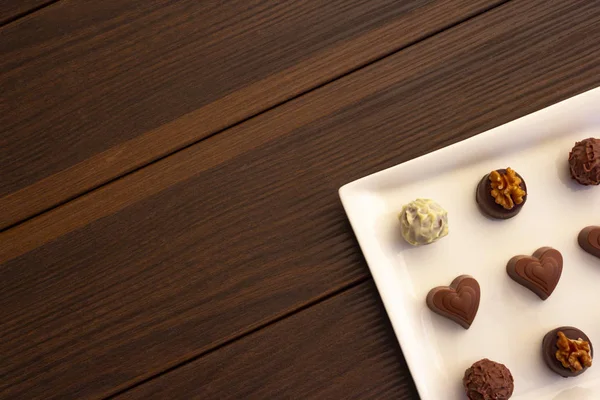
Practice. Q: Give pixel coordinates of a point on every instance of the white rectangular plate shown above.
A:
(511, 320)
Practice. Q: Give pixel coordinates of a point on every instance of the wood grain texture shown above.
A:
(11, 10)
(244, 227)
(342, 348)
(96, 89)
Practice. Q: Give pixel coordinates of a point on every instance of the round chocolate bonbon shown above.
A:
(488, 380)
(503, 202)
(584, 161)
(550, 348)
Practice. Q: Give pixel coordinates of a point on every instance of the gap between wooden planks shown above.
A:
(342, 348)
(11, 10)
(90, 86)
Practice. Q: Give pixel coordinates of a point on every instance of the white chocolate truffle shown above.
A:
(423, 221)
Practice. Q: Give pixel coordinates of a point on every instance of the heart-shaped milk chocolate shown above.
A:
(458, 302)
(539, 273)
(589, 240)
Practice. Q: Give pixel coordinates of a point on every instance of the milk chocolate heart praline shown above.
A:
(589, 240)
(458, 302)
(539, 273)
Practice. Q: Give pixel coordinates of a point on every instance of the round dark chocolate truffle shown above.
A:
(584, 162)
(487, 203)
(550, 347)
(488, 380)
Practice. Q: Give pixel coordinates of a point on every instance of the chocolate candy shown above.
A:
(488, 203)
(589, 240)
(539, 273)
(423, 221)
(584, 162)
(458, 302)
(550, 348)
(487, 379)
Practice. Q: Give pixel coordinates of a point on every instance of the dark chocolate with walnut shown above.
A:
(501, 194)
(567, 351)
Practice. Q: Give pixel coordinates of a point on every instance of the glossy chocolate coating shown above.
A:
(589, 240)
(458, 302)
(488, 380)
(487, 204)
(539, 273)
(549, 349)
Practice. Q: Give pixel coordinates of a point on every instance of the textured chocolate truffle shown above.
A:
(423, 221)
(584, 162)
(488, 380)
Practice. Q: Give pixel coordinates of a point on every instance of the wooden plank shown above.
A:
(93, 90)
(342, 348)
(11, 10)
(234, 232)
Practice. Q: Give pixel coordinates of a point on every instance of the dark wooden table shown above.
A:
(169, 173)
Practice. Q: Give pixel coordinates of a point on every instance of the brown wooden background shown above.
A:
(169, 174)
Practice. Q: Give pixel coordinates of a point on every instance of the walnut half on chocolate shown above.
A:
(506, 188)
(573, 354)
